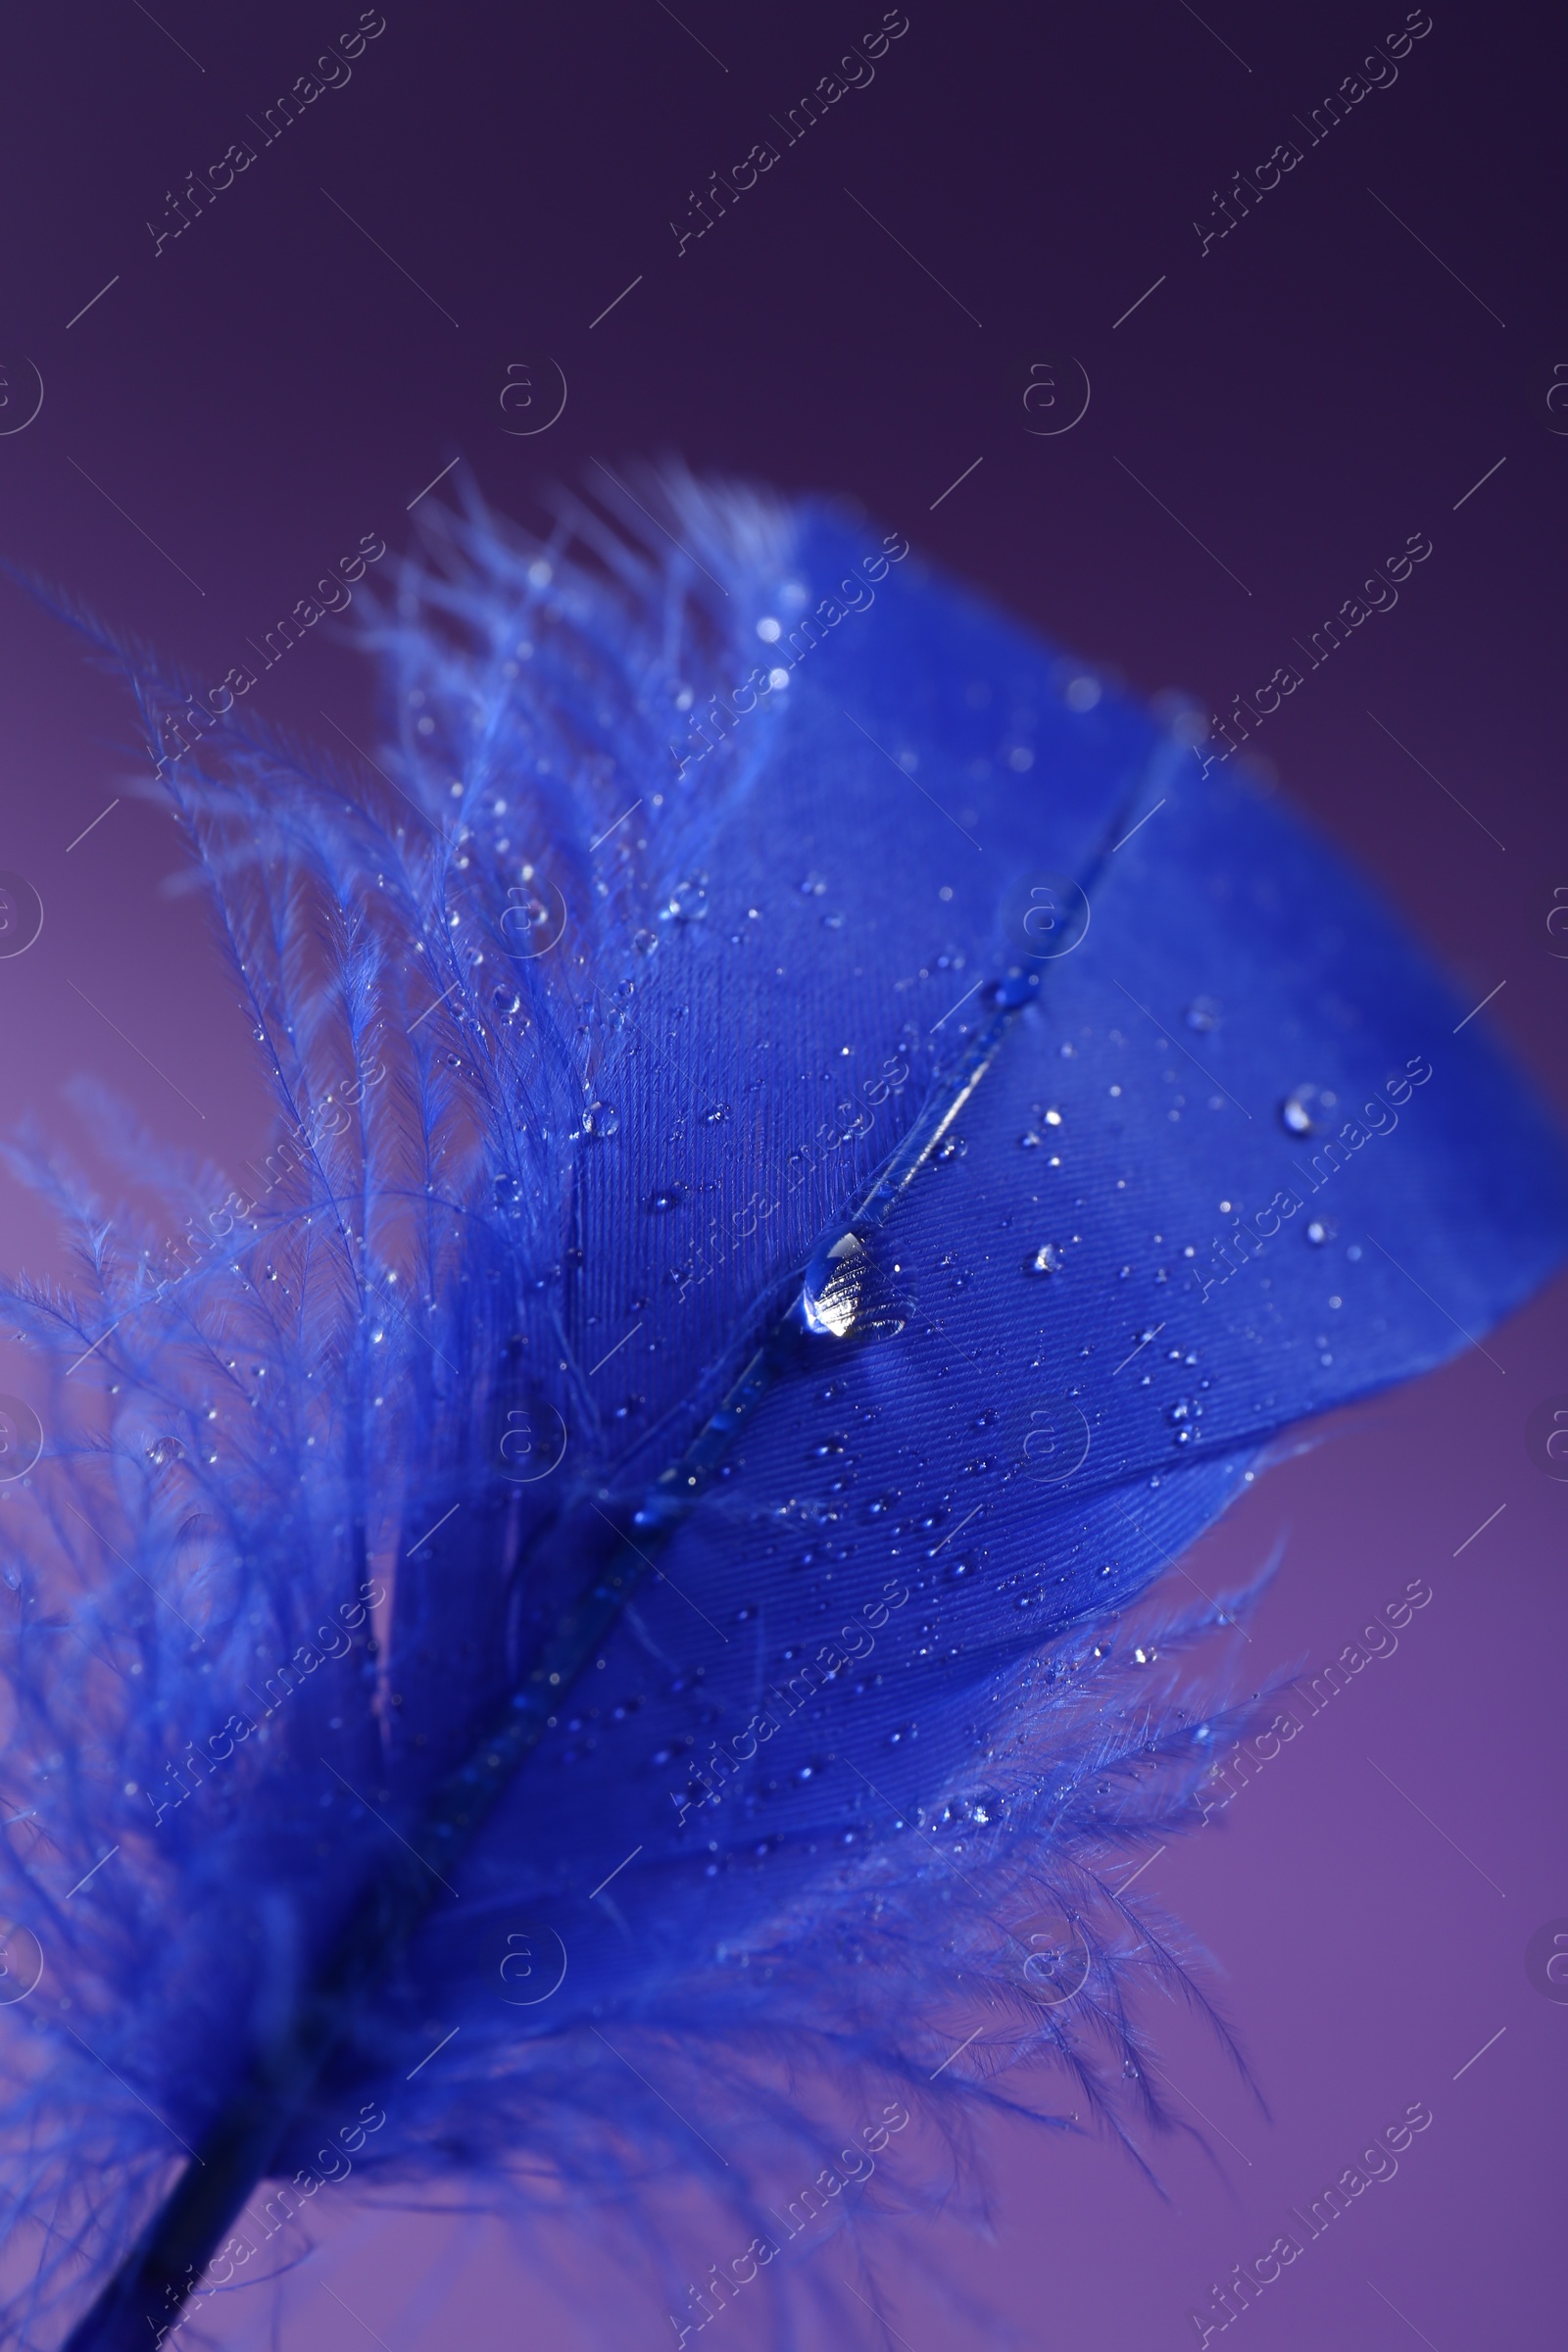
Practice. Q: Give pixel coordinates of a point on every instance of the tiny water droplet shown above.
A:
(1202, 1014)
(667, 1196)
(688, 901)
(1046, 1259)
(600, 1118)
(1303, 1110)
(1014, 988)
(645, 942)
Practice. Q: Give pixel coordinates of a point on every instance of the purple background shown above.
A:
(1314, 388)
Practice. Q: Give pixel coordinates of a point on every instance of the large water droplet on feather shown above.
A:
(835, 1284)
(848, 1295)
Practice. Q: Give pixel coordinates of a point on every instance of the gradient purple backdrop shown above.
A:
(1377, 336)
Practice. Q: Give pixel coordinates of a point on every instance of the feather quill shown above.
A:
(621, 1560)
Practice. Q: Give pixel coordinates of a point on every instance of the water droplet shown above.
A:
(1013, 989)
(600, 1118)
(1303, 1110)
(668, 1195)
(954, 1147)
(1319, 1229)
(645, 942)
(836, 1286)
(1202, 1014)
(720, 1112)
(161, 1451)
(849, 1295)
(688, 901)
(1046, 1259)
(504, 999)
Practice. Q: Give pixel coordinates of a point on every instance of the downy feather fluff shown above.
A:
(571, 1630)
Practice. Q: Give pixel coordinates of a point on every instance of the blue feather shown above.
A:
(818, 1146)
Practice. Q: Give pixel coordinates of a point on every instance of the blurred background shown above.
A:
(1116, 318)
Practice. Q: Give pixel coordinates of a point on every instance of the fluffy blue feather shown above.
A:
(624, 1574)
